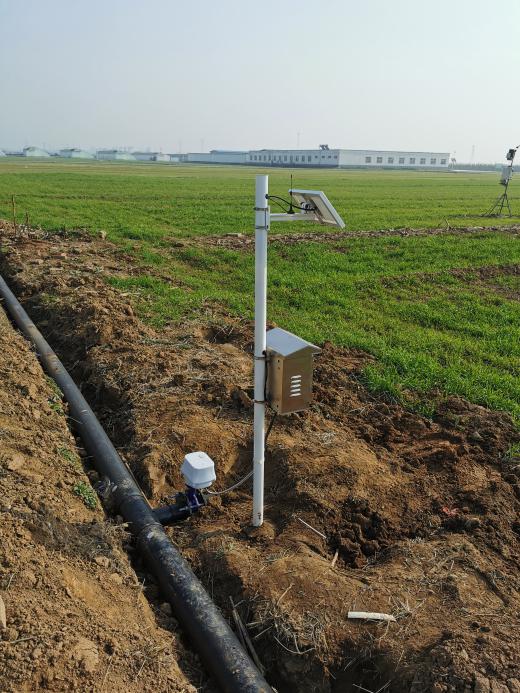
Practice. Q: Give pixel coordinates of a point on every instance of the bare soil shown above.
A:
(240, 241)
(420, 516)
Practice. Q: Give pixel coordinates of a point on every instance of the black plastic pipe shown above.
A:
(210, 633)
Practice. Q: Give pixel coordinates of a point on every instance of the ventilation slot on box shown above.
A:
(296, 385)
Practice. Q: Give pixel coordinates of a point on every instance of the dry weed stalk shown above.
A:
(153, 656)
(297, 633)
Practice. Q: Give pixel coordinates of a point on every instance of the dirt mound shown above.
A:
(75, 613)
(411, 516)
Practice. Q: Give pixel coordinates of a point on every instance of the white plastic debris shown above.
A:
(3, 617)
(371, 616)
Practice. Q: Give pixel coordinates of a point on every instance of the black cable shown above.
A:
(275, 414)
(249, 474)
(294, 206)
(281, 206)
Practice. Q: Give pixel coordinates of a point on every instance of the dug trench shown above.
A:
(72, 611)
(411, 516)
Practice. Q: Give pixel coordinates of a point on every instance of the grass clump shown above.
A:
(71, 457)
(54, 386)
(87, 494)
(56, 405)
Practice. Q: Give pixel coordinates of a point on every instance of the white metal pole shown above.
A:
(261, 228)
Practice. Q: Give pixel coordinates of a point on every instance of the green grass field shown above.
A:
(151, 201)
(436, 324)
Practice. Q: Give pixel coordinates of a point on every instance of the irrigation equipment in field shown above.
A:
(505, 178)
(282, 361)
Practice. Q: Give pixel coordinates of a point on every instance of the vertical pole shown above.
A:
(261, 228)
(13, 205)
(506, 199)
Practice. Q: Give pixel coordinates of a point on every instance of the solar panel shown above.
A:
(317, 202)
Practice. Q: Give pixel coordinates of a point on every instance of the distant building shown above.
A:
(151, 156)
(348, 158)
(324, 157)
(2, 153)
(217, 156)
(114, 155)
(75, 154)
(34, 151)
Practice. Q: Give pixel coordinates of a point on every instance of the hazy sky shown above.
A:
(438, 75)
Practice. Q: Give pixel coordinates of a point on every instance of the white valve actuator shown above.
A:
(198, 470)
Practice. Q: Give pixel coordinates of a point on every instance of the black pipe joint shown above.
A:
(186, 504)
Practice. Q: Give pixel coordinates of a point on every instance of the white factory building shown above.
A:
(75, 153)
(114, 155)
(35, 151)
(151, 156)
(348, 158)
(216, 156)
(324, 157)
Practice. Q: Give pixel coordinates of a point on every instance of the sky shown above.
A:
(173, 75)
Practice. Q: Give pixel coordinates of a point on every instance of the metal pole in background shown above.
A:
(262, 215)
